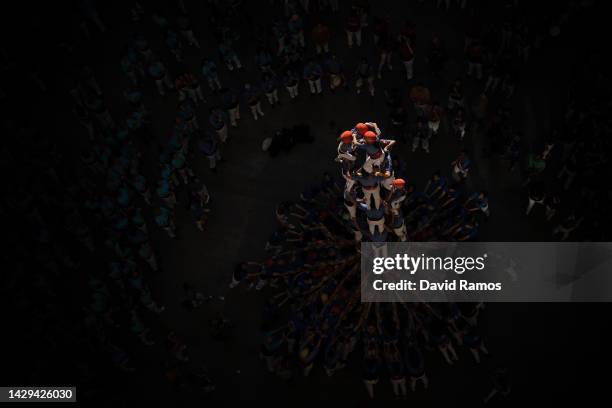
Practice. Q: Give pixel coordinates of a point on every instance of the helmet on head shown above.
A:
(399, 183)
(362, 128)
(346, 136)
(370, 136)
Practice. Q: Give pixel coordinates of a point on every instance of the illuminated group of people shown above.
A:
(313, 265)
(363, 183)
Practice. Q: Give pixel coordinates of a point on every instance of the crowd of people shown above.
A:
(314, 259)
(85, 210)
(564, 190)
(313, 256)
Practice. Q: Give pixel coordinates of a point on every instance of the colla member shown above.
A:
(446, 285)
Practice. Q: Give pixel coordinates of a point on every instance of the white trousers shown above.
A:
(414, 380)
(347, 158)
(531, 203)
(373, 192)
(373, 224)
(352, 210)
(459, 173)
(354, 37)
(272, 97)
(380, 250)
(195, 94)
(401, 232)
(234, 115)
(361, 82)
(492, 83)
(399, 386)
(434, 126)
(256, 109)
(322, 47)
(315, 86)
(369, 163)
(409, 71)
(423, 141)
(233, 62)
(385, 59)
(293, 91)
(388, 182)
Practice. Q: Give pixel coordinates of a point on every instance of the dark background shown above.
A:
(555, 352)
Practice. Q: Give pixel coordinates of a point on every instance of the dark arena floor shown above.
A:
(84, 306)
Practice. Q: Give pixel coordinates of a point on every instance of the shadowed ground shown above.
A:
(530, 339)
